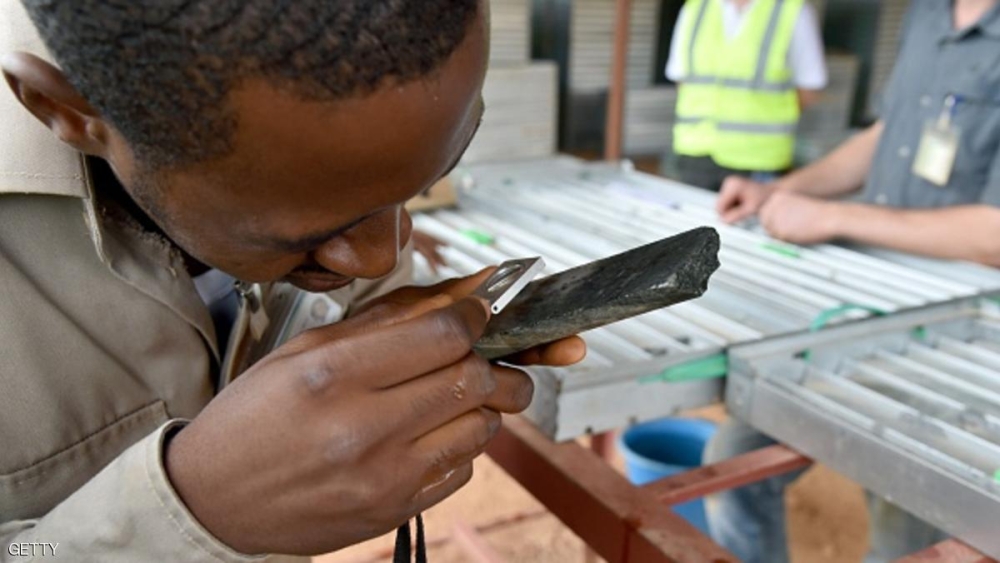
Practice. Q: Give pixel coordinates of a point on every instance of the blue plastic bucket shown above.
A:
(658, 449)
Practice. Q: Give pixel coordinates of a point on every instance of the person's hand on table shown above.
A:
(427, 246)
(740, 198)
(349, 430)
(800, 219)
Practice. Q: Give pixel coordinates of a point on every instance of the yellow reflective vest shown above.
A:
(737, 103)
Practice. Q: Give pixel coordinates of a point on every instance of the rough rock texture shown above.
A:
(650, 277)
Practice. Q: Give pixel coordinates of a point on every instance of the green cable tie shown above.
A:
(705, 368)
(824, 318)
(828, 315)
(782, 249)
(996, 476)
(919, 333)
(479, 236)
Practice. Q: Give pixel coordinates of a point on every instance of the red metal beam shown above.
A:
(619, 521)
(951, 551)
(602, 444)
(728, 474)
(616, 89)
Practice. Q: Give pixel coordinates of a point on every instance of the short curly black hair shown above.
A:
(160, 70)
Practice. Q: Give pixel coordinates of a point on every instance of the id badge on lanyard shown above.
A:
(939, 144)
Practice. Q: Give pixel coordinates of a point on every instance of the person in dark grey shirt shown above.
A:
(944, 203)
(926, 180)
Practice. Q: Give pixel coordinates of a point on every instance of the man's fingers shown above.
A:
(433, 400)
(726, 200)
(766, 212)
(729, 194)
(513, 392)
(455, 444)
(427, 246)
(463, 287)
(431, 495)
(388, 312)
(768, 221)
(737, 214)
(434, 257)
(455, 288)
(565, 352)
(402, 351)
(410, 302)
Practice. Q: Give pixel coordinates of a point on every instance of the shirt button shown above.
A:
(926, 101)
(904, 152)
(881, 199)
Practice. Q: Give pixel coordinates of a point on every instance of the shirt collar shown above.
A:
(988, 25)
(32, 159)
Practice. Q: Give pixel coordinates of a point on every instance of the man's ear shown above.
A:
(44, 90)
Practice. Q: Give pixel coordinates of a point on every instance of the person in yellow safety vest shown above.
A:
(745, 69)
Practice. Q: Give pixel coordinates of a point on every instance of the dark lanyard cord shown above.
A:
(403, 553)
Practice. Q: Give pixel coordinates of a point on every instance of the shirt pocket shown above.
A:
(32, 491)
(977, 88)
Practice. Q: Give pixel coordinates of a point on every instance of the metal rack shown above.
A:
(510, 30)
(522, 96)
(520, 121)
(628, 524)
(662, 362)
(908, 405)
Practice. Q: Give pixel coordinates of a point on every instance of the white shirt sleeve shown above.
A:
(675, 64)
(805, 56)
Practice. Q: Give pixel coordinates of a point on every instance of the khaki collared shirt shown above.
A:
(104, 346)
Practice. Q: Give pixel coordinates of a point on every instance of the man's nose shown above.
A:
(368, 250)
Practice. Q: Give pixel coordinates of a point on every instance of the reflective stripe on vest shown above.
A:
(743, 117)
(762, 128)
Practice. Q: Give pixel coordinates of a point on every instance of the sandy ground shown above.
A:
(827, 523)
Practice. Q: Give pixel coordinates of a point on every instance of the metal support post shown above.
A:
(616, 90)
(622, 523)
(729, 474)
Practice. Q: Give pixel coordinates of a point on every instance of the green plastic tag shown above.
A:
(919, 333)
(828, 315)
(996, 476)
(782, 249)
(479, 236)
(706, 368)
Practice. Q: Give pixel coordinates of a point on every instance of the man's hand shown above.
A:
(741, 197)
(347, 431)
(427, 246)
(407, 302)
(800, 219)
